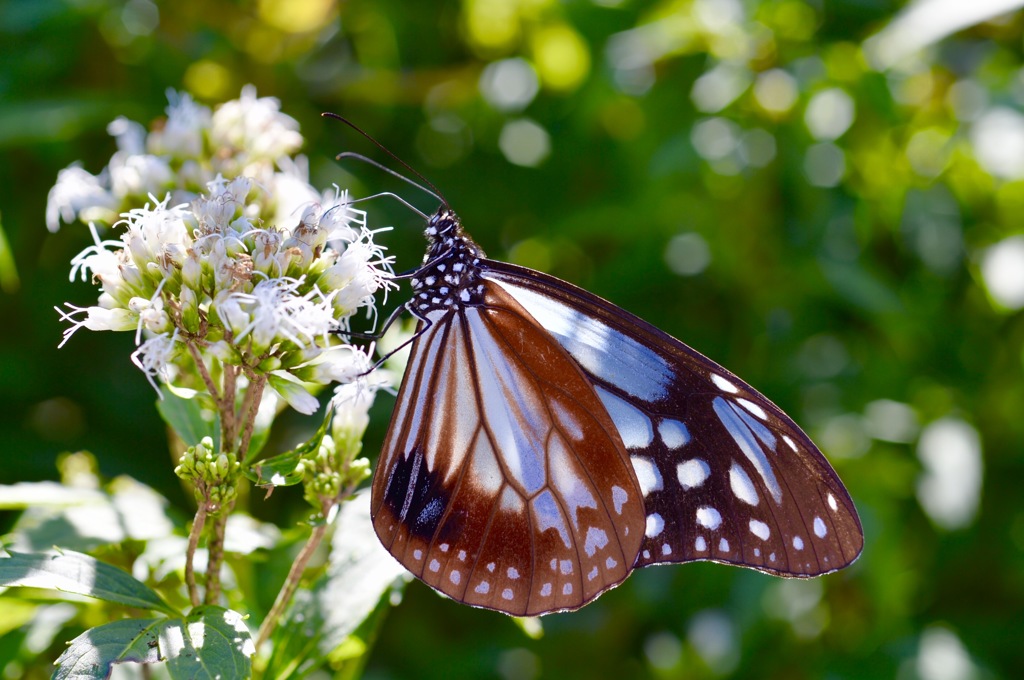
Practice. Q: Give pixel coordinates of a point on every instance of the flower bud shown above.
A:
(192, 271)
(190, 318)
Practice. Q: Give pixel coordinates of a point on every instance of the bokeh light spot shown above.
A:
(829, 114)
(491, 25)
(293, 16)
(561, 56)
(1002, 268)
(509, 84)
(688, 254)
(719, 87)
(776, 91)
(209, 80)
(942, 656)
(949, 489)
(998, 140)
(825, 164)
(524, 142)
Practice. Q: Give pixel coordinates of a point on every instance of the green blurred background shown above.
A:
(822, 196)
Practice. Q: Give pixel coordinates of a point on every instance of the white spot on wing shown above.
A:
(490, 567)
(434, 565)
(654, 525)
(567, 589)
(709, 518)
(596, 539)
(545, 590)
(566, 566)
(610, 563)
(692, 473)
(513, 573)
(633, 425)
(673, 433)
(723, 545)
(619, 498)
(760, 529)
(723, 384)
(832, 502)
(700, 545)
(798, 543)
(741, 433)
(506, 594)
(789, 442)
(482, 588)
(753, 408)
(462, 556)
(647, 474)
(417, 554)
(592, 574)
(819, 528)
(741, 485)
(666, 549)
(455, 577)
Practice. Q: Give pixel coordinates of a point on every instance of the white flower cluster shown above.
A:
(193, 146)
(255, 272)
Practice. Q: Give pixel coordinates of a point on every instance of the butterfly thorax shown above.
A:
(450, 275)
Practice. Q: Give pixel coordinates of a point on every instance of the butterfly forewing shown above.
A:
(725, 474)
(503, 481)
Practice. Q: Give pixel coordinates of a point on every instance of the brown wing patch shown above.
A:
(503, 482)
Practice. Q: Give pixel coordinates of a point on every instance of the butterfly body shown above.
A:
(546, 442)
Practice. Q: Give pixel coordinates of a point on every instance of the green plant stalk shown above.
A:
(193, 543)
(216, 555)
(291, 584)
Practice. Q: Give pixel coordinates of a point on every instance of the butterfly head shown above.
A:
(443, 225)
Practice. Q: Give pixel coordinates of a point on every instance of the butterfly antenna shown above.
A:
(381, 166)
(388, 194)
(434, 190)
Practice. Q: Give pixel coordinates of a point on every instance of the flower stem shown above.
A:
(291, 583)
(251, 406)
(193, 543)
(216, 550)
(203, 372)
(229, 423)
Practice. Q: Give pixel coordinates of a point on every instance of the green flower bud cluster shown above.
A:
(214, 476)
(331, 475)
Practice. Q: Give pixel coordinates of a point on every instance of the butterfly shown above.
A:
(545, 443)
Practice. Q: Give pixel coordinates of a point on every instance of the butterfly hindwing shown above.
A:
(726, 475)
(503, 481)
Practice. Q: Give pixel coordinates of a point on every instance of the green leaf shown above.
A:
(74, 572)
(84, 519)
(283, 469)
(211, 642)
(360, 573)
(53, 494)
(91, 654)
(189, 414)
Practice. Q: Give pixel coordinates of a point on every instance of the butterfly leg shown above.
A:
(423, 327)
